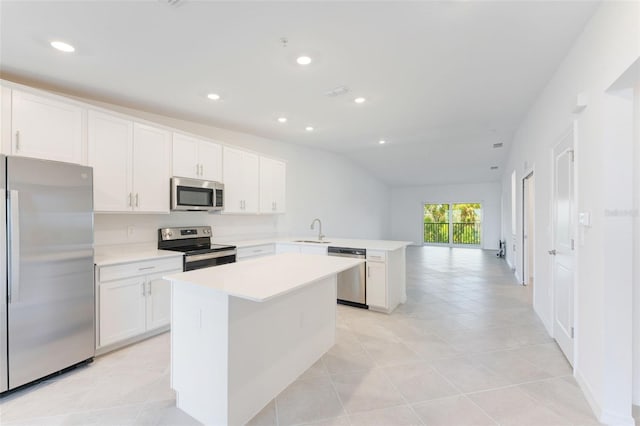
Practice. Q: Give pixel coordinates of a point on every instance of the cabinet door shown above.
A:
(122, 310)
(377, 284)
(185, 156)
(251, 184)
(158, 301)
(287, 248)
(210, 158)
(321, 250)
(44, 128)
(279, 186)
(110, 145)
(267, 199)
(151, 172)
(233, 180)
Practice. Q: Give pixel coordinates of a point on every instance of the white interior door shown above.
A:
(528, 230)
(563, 250)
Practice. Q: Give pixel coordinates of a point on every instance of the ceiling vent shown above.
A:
(172, 3)
(498, 145)
(337, 91)
(493, 167)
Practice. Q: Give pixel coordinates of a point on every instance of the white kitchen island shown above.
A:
(242, 332)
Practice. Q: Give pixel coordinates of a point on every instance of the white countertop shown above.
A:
(264, 278)
(124, 254)
(385, 245)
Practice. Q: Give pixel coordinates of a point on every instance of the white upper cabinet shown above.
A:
(131, 165)
(110, 145)
(241, 181)
(196, 158)
(151, 168)
(46, 128)
(272, 185)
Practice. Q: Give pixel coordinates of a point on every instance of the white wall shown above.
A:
(407, 208)
(606, 48)
(349, 201)
(636, 249)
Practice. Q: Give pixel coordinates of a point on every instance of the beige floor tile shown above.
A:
(511, 366)
(419, 382)
(457, 410)
(469, 375)
(396, 416)
(512, 406)
(266, 417)
(385, 353)
(362, 391)
(308, 400)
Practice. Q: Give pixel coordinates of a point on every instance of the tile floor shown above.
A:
(466, 349)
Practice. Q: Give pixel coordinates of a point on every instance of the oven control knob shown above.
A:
(170, 234)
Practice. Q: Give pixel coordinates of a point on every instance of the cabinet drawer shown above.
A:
(126, 270)
(376, 256)
(262, 250)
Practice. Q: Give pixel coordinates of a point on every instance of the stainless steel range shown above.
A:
(195, 243)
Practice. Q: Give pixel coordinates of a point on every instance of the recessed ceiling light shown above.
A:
(382, 141)
(282, 119)
(309, 129)
(213, 96)
(359, 100)
(62, 46)
(303, 60)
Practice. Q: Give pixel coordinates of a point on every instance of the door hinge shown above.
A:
(572, 332)
(573, 155)
(573, 244)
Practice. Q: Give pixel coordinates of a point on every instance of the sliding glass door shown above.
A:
(453, 224)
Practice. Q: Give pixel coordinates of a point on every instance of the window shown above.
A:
(457, 224)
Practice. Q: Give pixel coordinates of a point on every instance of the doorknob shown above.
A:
(552, 252)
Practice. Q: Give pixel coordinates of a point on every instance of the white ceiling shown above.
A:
(443, 80)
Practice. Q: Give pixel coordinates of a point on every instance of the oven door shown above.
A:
(205, 260)
(193, 194)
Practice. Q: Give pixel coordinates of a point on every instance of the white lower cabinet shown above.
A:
(301, 248)
(133, 300)
(377, 284)
(246, 253)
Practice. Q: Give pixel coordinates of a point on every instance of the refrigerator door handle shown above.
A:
(14, 248)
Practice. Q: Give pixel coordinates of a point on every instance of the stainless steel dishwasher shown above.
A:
(352, 284)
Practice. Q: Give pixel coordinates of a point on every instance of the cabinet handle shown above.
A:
(130, 199)
(149, 291)
(17, 140)
(197, 169)
(144, 293)
(136, 199)
(201, 170)
(146, 268)
(368, 271)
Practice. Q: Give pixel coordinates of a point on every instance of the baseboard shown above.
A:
(603, 416)
(635, 412)
(119, 345)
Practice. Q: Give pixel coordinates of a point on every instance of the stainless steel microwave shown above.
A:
(196, 195)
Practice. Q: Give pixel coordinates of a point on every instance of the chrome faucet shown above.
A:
(320, 235)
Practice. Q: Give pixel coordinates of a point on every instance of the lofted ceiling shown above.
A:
(443, 81)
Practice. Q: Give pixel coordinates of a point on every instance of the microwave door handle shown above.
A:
(14, 247)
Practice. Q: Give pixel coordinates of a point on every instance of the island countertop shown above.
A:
(264, 278)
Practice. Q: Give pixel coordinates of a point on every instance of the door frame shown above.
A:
(525, 207)
(573, 129)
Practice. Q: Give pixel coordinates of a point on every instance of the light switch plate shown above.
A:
(585, 219)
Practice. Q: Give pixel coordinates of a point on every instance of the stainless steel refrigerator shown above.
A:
(46, 266)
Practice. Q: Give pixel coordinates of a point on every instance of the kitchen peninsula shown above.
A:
(242, 332)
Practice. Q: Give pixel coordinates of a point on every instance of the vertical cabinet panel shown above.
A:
(241, 181)
(158, 302)
(185, 156)
(110, 151)
(47, 129)
(122, 310)
(210, 157)
(376, 284)
(272, 185)
(151, 160)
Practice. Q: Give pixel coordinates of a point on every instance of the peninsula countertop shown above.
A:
(264, 278)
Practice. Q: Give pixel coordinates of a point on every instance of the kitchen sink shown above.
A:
(311, 241)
